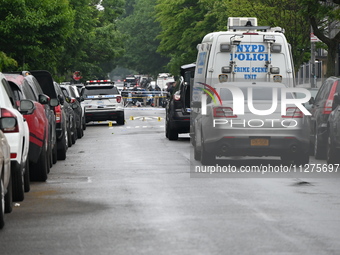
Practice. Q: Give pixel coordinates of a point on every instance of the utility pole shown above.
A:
(312, 65)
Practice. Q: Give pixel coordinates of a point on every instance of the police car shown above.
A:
(102, 101)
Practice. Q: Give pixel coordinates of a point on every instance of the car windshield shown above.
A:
(259, 93)
(92, 91)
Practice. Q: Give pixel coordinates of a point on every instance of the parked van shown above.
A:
(246, 52)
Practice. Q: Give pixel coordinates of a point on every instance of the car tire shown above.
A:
(197, 153)
(69, 137)
(332, 152)
(27, 183)
(84, 123)
(121, 120)
(55, 154)
(49, 158)
(18, 189)
(172, 133)
(9, 197)
(319, 152)
(207, 158)
(39, 170)
(74, 136)
(2, 204)
(302, 159)
(80, 132)
(62, 151)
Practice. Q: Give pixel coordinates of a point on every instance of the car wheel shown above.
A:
(62, 151)
(84, 123)
(18, 184)
(80, 132)
(9, 197)
(121, 120)
(27, 184)
(207, 158)
(74, 136)
(197, 153)
(69, 138)
(55, 154)
(49, 158)
(167, 130)
(302, 159)
(2, 204)
(332, 152)
(172, 133)
(319, 152)
(39, 170)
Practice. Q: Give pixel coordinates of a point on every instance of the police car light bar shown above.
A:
(98, 81)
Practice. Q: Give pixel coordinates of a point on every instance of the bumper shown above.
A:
(181, 122)
(241, 146)
(103, 115)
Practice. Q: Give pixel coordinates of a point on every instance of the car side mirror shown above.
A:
(7, 123)
(43, 99)
(54, 102)
(81, 98)
(311, 100)
(26, 106)
(61, 99)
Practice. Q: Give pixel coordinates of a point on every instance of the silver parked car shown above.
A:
(227, 125)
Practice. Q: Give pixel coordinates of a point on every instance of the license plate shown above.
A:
(100, 102)
(259, 142)
(188, 109)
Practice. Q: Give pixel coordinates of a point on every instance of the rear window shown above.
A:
(259, 93)
(95, 91)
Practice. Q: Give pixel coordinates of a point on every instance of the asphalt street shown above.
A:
(128, 190)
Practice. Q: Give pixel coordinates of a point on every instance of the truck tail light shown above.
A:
(58, 113)
(224, 112)
(293, 112)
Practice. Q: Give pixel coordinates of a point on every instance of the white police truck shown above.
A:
(246, 52)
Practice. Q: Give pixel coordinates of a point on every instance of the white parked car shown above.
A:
(5, 178)
(16, 131)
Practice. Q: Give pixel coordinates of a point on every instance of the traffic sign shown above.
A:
(314, 38)
(77, 76)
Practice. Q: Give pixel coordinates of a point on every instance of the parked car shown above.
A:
(72, 96)
(41, 122)
(5, 174)
(320, 110)
(178, 106)
(17, 137)
(64, 122)
(102, 101)
(313, 92)
(333, 132)
(220, 132)
(46, 83)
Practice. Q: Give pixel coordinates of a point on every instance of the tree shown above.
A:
(95, 41)
(278, 13)
(323, 17)
(34, 32)
(141, 43)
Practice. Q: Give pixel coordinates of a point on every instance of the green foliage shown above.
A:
(141, 44)
(6, 62)
(35, 32)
